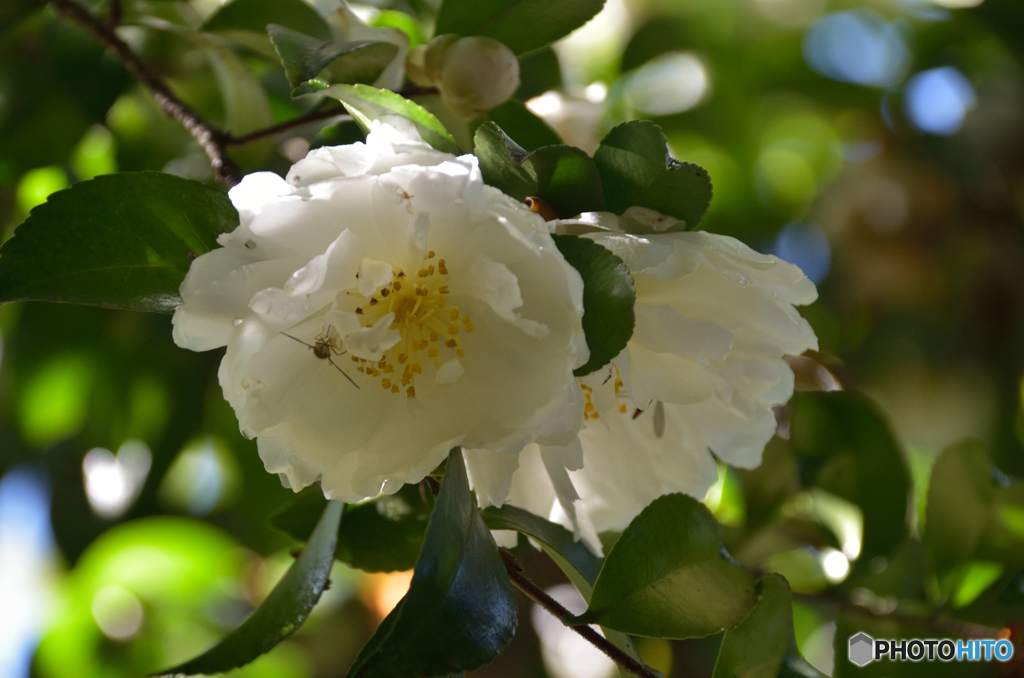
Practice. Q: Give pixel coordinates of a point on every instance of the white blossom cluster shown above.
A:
(382, 305)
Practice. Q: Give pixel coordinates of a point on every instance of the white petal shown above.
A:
(374, 273)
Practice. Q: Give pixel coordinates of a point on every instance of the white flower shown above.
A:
(702, 371)
(382, 306)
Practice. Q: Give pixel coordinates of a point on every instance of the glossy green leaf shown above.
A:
(637, 170)
(255, 15)
(367, 104)
(757, 648)
(303, 57)
(384, 535)
(459, 613)
(523, 125)
(847, 448)
(689, 590)
(121, 240)
(575, 559)
(608, 299)
(564, 176)
(284, 610)
(523, 25)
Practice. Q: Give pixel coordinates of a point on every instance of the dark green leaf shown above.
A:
(121, 240)
(637, 170)
(848, 449)
(523, 25)
(539, 72)
(384, 535)
(522, 125)
(689, 590)
(757, 647)
(961, 495)
(367, 104)
(255, 15)
(578, 563)
(608, 299)
(459, 613)
(303, 57)
(339, 134)
(564, 176)
(575, 560)
(284, 610)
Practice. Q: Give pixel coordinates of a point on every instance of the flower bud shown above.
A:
(473, 74)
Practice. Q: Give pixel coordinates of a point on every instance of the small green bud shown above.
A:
(473, 74)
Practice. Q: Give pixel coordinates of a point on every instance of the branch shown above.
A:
(212, 140)
(534, 592)
(312, 116)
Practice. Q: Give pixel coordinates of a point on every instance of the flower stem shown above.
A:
(537, 595)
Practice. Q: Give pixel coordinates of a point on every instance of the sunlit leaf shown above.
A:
(689, 590)
(122, 240)
(367, 104)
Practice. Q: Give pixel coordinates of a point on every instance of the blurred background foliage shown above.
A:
(879, 144)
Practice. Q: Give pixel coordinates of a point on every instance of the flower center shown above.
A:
(590, 410)
(428, 324)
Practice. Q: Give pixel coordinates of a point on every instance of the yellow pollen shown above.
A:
(426, 323)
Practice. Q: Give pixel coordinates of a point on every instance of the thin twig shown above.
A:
(306, 118)
(211, 139)
(534, 592)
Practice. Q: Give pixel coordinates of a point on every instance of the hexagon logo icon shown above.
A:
(862, 649)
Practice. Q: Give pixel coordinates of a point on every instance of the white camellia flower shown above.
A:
(700, 374)
(382, 306)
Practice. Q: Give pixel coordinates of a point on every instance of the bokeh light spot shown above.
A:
(937, 100)
(858, 47)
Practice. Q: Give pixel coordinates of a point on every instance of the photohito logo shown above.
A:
(864, 649)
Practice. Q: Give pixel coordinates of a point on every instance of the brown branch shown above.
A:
(211, 139)
(537, 595)
(306, 118)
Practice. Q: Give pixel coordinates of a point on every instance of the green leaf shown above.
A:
(667, 577)
(608, 299)
(961, 495)
(303, 57)
(384, 535)
(246, 108)
(575, 559)
(521, 124)
(284, 610)
(848, 449)
(637, 170)
(757, 648)
(367, 104)
(255, 15)
(539, 72)
(459, 613)
(523, 25)
(120, 240)
(564, 176)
